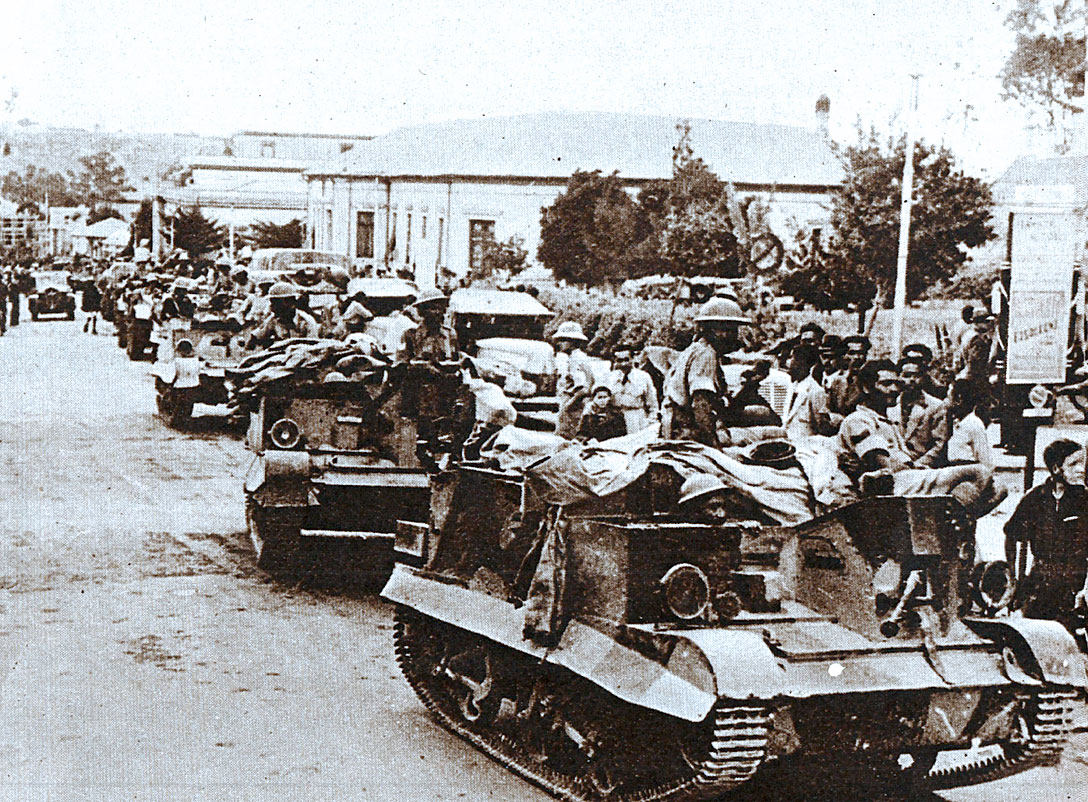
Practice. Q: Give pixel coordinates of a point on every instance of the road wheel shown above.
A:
(274, 533)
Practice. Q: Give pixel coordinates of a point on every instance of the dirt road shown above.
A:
(144, 657)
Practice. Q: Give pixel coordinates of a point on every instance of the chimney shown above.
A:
(823, 109)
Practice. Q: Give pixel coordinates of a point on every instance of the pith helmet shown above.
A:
(722, 310)
(282, 289)
(570, 330)
(699, 485)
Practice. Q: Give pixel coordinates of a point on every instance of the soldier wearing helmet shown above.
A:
(694, 389)
(432, 340)
(286, 319)
(354, 315)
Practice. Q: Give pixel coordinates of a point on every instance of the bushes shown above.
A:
(611, 320)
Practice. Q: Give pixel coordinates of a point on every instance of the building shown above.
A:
(17, 229)
(57, 237)
(239, 191)
(1036, 184)
(427, 197)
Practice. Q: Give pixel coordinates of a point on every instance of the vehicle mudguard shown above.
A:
(279, 478)
(588, 652)
(1056, 657)
(740, 663)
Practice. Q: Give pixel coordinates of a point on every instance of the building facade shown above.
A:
(426, 199)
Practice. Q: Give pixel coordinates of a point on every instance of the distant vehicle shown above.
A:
(52, 295)
(192, 364)
(283, 263)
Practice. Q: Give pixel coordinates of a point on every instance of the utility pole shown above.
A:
(156, 219)
(905, 203)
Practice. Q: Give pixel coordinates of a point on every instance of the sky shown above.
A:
(363, 67)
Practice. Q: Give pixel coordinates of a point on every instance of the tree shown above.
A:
(502, 258)
(36, 187)
(273, 235)
(586, 232)
(951, 214)
(195, 233)
(103, 213)
(100, 181)
(1046, 67)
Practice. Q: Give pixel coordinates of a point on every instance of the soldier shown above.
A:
(873, 449)
(178, 305)
(3, 302)
(844, 390)
(285, 319)
(355, 316)
(432, 340)
(15, 292)
(573, 376)
(694, 389)
(1050, 519)
(922, 419)
(633, 391)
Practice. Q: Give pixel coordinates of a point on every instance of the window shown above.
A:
(328, 228)
(364, 235)
(391, 246)
(441, 238)
(480, 232)
(423, 228)
(268, 150)
(408, 241)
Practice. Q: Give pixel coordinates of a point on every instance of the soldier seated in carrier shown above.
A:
(873, 452)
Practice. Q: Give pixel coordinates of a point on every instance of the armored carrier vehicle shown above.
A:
(611, 649)
(191, 365)
(338, 463)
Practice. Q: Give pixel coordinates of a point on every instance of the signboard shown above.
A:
(1040, 290)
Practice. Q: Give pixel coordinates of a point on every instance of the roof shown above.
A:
(303, 135)
(254, 163)
(497, 302)
(104, 228)
(553, 145)
(1045, 171)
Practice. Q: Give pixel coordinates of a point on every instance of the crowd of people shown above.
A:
(15, 283)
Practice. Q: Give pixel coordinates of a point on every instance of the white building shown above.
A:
(240, 191)
(426, 197)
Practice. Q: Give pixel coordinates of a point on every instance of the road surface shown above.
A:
(144, 657)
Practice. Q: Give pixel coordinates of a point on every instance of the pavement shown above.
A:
(144, 657)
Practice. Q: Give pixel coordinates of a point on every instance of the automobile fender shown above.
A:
(1055, 653)
(279, 478)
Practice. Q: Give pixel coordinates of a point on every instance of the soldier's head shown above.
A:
(704, 497)
(857, 351)
(811, 333)
(1064, 460)
(431, 306)
(880, 384)
(718, 322)
(912, 373)
(283, 299)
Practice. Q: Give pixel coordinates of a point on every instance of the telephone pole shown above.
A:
(905, 203)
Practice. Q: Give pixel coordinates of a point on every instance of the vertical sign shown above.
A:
(1040, 290)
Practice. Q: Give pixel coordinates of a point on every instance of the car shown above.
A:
(52, 295)
(191, 366)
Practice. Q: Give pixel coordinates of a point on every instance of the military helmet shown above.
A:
(722, 310)
(699, 485)
(431, 296)
(340, 277)
(284, 289)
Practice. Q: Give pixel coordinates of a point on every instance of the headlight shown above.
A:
(686, 591)
(285, 433)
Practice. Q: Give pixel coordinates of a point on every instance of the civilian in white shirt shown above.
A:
(807, 414)
(633, 392)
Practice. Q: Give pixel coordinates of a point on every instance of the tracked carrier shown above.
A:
(606, 650)
(337, 465)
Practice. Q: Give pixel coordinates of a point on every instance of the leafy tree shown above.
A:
(273, 235)
(585, 233)
(1046, 67)
(101, 180)
(35, 186)
(195, 233)
(140, 228)
(857, 265)
(100, 213)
